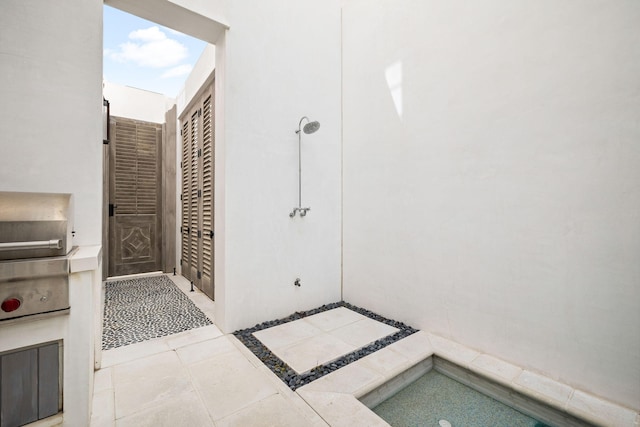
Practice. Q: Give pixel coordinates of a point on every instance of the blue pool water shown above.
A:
(435, 397)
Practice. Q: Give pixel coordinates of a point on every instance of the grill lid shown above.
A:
(34, 225)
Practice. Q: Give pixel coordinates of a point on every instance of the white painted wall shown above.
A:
(137, 104)
(500, 206)
(201, 72)
(51, 103)
(280, 61)
(203, 19)
(51, 141)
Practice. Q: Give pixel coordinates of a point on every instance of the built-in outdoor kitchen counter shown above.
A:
(49, 299)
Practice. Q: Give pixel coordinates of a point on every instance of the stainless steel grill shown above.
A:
(35, 246)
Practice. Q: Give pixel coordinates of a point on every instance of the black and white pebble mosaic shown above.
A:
(140, 309)
(291, 377)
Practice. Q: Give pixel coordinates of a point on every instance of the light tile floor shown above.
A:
(306, 343)
(202, 377)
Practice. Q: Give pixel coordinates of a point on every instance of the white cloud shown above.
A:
(151, 34)
(149, 47)
(180, 70)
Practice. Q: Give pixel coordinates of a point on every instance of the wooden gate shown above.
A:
(197, 134)
(135, 214)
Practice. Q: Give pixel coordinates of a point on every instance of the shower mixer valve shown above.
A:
(303, 212)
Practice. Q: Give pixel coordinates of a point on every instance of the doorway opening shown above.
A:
(147, 225)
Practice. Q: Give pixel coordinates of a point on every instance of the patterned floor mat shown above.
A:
(140, 309)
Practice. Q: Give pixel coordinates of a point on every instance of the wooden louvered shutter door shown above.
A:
(198, 180)
(194, 196)
(135, 219)
(185, 254)
(207, 195)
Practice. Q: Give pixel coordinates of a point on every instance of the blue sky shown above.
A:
(146, 55)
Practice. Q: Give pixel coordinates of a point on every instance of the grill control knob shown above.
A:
(10, 304)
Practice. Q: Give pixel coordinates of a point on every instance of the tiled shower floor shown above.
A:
(306, 343)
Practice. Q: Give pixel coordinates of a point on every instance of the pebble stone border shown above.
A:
(290, 377)
(140, 309)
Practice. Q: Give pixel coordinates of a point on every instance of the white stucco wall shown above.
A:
(281, 61)
(51, 103)
(201, 72)
(137, 104)
(51, 141)
(491, 170)
(202, 19)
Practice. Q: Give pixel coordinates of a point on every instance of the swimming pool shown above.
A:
(435, 399)
(449, 395)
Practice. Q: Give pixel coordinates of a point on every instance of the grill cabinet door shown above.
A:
(30, 385)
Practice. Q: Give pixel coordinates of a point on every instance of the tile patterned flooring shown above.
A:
(202, 377)
(306, 343)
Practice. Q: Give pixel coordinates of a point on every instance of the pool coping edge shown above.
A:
(343, 384)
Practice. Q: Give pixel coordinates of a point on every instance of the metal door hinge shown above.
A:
(199, 274)
(199, 152)
(199, 193)
(211, 234)
(199, 234)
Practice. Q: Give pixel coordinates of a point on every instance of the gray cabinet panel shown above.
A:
(19, 400)
(48, 376)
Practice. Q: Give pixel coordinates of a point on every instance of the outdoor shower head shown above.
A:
(311, 127)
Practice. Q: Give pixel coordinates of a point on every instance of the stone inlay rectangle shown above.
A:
(346, 317)
(314, 351)
(304, 346)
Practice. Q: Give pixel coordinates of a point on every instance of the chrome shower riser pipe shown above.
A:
(309, 128)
